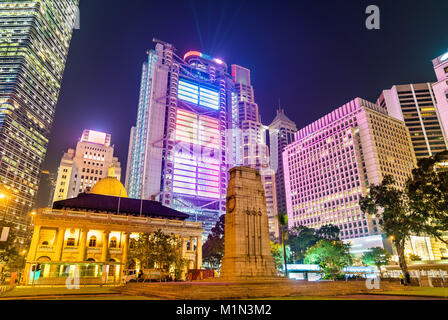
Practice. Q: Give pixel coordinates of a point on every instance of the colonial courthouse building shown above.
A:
(89, 235)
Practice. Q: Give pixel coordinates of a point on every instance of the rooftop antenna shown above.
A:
(279, 110)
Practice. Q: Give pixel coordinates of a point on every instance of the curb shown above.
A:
(56, 295)
(407, 295)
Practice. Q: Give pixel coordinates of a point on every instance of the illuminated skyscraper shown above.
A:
(82, 168)
(249, 140)
(334, 160)
(177, 152)
(34, 43)
(281, 133)
(441, 89)
(415, 105)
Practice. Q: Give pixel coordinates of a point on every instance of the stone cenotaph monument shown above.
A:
(247, 253)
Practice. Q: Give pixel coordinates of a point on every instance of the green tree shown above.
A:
(157, 250)
(390, 205)
(277, 254)
(283, 227)
(329, 232)
(213, 248)
(301, 238)
(414, 257)
(331, 256)
(376, 256)
(427, 191)
(8, 249)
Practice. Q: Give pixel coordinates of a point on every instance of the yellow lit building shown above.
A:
(89, 235)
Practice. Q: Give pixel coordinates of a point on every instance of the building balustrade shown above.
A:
(71, 249)
(46, 248)
(119, 218)
(93, 250)
(115, 250)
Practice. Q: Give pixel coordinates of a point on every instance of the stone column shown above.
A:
(34, 244)
(125, 246)
(104, 252)
(199, 252)
(182, 239)
(82, 244)
(26, 277)
(124, 250)
(59, 244)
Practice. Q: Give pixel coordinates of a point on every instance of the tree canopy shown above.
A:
(331, 256)
(390, 205)
(8, 249)
(428, 195)
(157, 250)
(376, 256)
(301, 238)
(213, 248)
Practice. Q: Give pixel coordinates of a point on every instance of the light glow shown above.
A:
(444, 57)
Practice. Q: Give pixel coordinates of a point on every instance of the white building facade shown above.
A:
(80, 169)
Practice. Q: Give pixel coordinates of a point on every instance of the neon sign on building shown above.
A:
(198, 95)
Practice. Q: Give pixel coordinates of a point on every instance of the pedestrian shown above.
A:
(140, 275)
(408, 278)
(401, 279)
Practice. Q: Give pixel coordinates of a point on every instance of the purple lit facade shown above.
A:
(177, 153)
(333, 160)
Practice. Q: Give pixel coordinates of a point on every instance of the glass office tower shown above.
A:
(177, 152)
(34, 43)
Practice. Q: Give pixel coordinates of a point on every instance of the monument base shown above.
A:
(248, 268)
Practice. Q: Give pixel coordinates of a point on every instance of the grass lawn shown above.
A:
(434, 292)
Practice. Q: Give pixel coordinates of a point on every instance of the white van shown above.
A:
(130, 276)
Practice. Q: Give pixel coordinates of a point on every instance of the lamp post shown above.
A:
(23, 254)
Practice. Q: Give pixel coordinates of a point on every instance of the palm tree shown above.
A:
(283, 224)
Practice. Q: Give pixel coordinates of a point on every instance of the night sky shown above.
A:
(312, 55)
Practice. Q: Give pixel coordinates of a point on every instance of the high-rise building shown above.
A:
(47, 186)
(34, 43)
(178, 147)
(416, 106)
(440, 89)
(281, 133)
(335, 159)
(82, 168)
(250, 140)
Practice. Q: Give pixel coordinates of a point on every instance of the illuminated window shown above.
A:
(70, 242)
(92, 241)
(113, 243)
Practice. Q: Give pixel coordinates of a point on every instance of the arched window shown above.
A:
(113, 242)
(45, 243)
(92, 241)
(70, 242)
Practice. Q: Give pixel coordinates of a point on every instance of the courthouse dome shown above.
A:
(109, 186)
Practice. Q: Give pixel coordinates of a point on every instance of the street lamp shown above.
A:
(4, 196)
